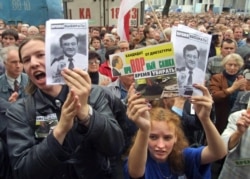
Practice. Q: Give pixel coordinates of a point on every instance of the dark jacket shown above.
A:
(192, 126)
(84, 151)
(4, 105)
(5, 170)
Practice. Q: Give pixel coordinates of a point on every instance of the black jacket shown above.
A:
(84, 151)
(192, 126)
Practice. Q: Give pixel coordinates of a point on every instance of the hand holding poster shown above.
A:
(191, 54)
(153, 68)
(66, 47)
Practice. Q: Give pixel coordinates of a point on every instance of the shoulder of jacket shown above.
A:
(97, 94)
(95, 90)
(217, 76)
(2, 76)
(57, 59)
(24, 75)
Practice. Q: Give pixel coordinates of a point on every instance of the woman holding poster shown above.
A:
(161, 149)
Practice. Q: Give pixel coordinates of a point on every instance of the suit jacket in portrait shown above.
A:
(56, 66)
(115, 72)
(198, 77)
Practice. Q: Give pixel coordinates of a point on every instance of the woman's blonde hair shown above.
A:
(233, 56)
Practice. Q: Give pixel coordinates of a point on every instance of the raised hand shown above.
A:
(202, 104)
(138, 109)
(243, 123)
(79, 81)
(70, 108)
(240, 83)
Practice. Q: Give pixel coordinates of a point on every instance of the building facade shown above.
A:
(216, 5)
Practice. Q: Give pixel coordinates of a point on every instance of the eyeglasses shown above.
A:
(94, 62)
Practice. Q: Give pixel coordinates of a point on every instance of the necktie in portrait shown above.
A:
(71, 64)
(190, 78)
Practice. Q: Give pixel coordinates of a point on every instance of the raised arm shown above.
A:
(102, 127)
(137, 111)
(238, 124)
(37, 158)
(203, 105)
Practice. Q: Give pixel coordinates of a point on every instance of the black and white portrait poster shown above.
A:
(66, 47)
(191, 54)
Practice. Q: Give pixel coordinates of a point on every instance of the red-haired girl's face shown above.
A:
(162, 138)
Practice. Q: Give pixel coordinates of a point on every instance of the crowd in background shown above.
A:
(225, 95)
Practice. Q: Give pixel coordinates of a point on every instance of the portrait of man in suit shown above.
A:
(70, 58)
(191, 73)
(117, 65)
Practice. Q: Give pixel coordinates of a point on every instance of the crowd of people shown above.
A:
(97, 125)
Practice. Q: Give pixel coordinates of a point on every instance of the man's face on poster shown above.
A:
(191, 57)
(119, 64)
(69, 46)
